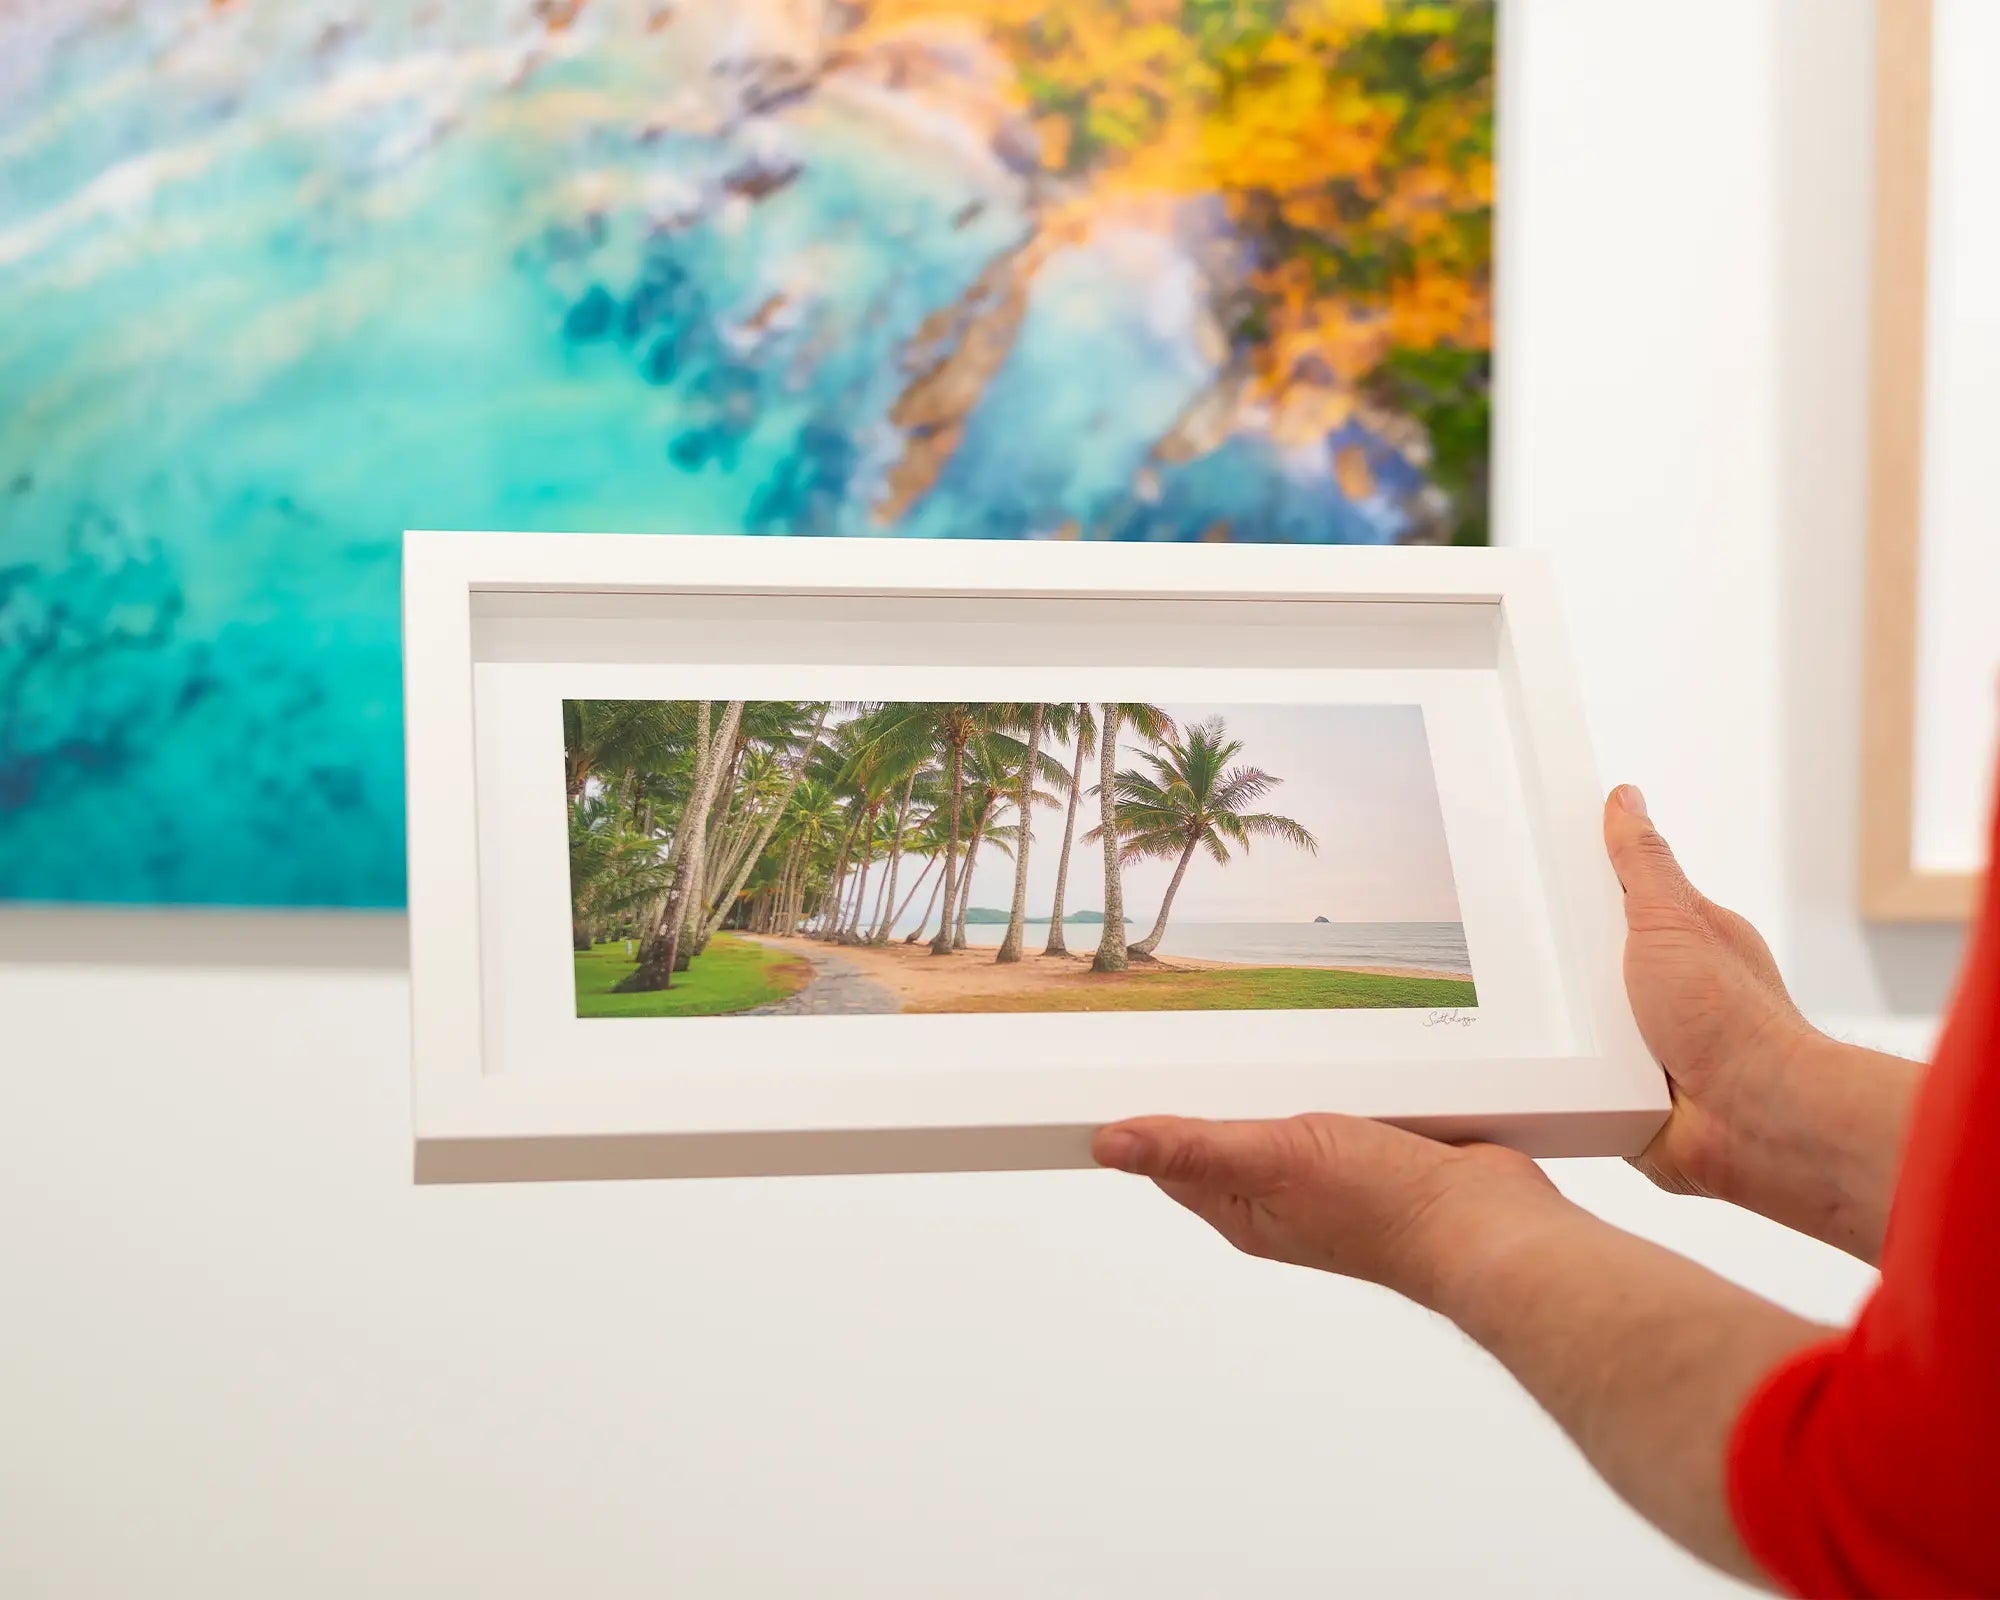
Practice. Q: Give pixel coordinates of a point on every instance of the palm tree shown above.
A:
(1037, 716)
(929, 842)
(615, 736)
(808, 827)
(843, 774)
(753, 851)
(908, 730)
(1084, 722)
(1149, 722)
(997, 770)
(660, 950)
(612, 869)
(919, 786)
(984, 782)
(882, 766)
(1194, 799)
(896, 910)
(1024, 808)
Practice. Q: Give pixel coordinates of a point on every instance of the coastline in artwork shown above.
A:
(280, 281)
(816, 858)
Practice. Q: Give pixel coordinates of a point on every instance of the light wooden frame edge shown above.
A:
(1893, 888)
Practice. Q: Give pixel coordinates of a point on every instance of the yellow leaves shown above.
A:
(1432, 308)
(1363, 196)
(1054, 134)
(1295, 130)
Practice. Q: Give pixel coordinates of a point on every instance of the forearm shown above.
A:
(1643, 1358)
(1815, 1141)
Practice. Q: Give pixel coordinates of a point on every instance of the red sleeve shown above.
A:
(1870, 1464)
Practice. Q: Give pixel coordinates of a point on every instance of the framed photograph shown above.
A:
(1933, 658)
(710, 875)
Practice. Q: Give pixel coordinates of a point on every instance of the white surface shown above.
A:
(241, 1357)
(508, 1057)
(1958, 651)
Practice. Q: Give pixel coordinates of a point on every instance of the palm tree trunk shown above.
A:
(657, 966)
(916, 934)
(1111, 956)
(880, 935)
(833, 904)
(851, 928)
(802, 897)
(801, 883)
(1057, 945)
(965, 879)
(716, 842)
(941, 945)
(748, 863)
(831, 925)
(781, 922)
(1151, 942)
(660, 945)
(686, 942)
(1024, 804)
(787, 915)
(881, 903)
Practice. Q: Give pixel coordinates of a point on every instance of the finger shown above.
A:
(1239, 1157)
(1642, 859)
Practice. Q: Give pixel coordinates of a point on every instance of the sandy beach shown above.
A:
(964, 979)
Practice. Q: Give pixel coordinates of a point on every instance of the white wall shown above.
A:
(241, 1356)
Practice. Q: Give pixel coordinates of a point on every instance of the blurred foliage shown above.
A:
(1351, 142)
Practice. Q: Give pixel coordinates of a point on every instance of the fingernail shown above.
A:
(1119, 1149)
(1631, 799)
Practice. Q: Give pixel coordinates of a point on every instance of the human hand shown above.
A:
(1341, 1194)
(1711, 1004)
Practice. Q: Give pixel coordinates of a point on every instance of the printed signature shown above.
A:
(1451, 1019)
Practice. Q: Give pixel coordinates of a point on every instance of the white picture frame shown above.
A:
(500, 626)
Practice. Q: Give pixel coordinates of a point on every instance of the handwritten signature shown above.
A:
(1451, 1019)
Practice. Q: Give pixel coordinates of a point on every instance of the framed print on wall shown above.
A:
(279, 280)
(915, 855)
(1933, 657)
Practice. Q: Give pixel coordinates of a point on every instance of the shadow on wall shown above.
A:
(124, 936)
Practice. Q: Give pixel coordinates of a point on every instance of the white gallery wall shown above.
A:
(241, 1357)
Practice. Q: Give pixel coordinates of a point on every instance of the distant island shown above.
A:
(1320, 919)
(987, 915)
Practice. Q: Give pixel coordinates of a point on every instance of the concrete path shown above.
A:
(839, 989)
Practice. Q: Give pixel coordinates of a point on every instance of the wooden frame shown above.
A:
(1893, 889)
(499, 628)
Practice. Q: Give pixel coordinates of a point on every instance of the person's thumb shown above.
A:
(1241, 1157)
(1643, 860)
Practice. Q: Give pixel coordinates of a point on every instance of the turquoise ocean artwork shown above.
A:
(280, 279)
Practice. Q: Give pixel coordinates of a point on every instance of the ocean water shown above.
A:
(1439, 946)
(278, 281)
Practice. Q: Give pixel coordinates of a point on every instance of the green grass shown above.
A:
(731, 975)
(1244, 989)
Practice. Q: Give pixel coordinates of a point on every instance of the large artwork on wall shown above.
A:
(280, 278)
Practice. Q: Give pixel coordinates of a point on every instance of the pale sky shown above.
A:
(1357, 777)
